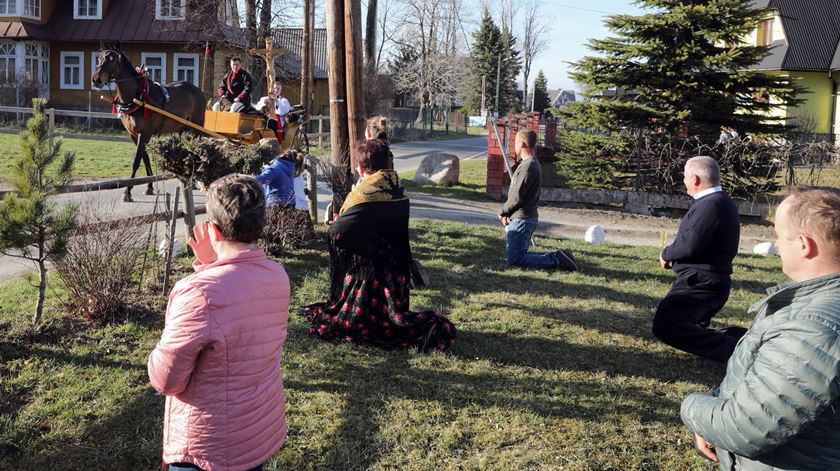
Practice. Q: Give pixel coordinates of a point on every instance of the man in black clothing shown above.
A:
(701, 257)
(519, 214)
(235, 89)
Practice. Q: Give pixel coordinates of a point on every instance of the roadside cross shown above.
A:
(268, 55)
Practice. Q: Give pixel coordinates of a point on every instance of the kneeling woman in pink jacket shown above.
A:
(218, 360)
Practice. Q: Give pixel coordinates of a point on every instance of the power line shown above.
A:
(563, 5)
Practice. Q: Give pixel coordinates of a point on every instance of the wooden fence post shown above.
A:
(189, 208)
(172, 221)
(313, 188)
(320, 132)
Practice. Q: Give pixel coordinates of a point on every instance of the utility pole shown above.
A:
(305, 58)
(498, 77)
(337, 84)
(355, 71)
(483, 88)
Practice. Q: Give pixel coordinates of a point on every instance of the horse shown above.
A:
(182, 99)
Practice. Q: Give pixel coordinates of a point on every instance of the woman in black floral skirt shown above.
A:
(370, 266)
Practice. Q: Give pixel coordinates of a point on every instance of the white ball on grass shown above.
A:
(595, 235)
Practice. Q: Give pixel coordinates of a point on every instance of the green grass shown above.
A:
(94, 159)
(551, 371)
(472, 183)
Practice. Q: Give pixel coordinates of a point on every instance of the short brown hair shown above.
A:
(236, 203)
(235, 59)
(816, 210)
(528, 136)
(378, 127)
(372, 155)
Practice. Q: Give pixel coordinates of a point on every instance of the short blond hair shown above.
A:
(816, 210)
(528, 136)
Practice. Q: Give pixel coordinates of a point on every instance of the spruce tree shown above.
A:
(484, 56)
(685, 67)
(509, 101)
(541, 92)
(31, 226)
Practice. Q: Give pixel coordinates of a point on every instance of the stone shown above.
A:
(595, 235)
(438, 169)
(766, 249)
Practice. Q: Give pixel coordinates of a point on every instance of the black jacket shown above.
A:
(236, 86)
(708, 237)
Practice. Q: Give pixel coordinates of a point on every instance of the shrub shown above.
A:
(203, 159)
(99, 266)
(285, 228)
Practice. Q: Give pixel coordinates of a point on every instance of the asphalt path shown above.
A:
(108, 205)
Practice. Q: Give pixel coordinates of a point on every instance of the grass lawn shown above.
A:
(94, 159)
(472, 184)
(551, 371)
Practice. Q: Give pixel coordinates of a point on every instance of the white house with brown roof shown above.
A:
(49, 48)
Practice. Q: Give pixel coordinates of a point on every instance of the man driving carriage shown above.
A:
(235, 89)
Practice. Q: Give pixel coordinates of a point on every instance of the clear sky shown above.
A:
(572, 24)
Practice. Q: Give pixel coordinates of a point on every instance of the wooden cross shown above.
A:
(268, 55)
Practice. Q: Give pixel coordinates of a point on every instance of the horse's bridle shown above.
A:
(111, 77)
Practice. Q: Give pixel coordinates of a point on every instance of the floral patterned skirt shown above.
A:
(372, 310)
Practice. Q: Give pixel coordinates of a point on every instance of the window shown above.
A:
(7, 63)
(87, 9)
(32, 8)
(765, 32)
(72, 64)
(155, 63)
(36, 63)
(186, 68)
(169, 9)
(94, 62)
(8, 7)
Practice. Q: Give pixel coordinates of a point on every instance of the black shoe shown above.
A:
(566, 260)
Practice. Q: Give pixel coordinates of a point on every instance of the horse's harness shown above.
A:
(129, 108)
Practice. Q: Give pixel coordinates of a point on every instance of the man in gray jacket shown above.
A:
(519, 214)
(778, 407)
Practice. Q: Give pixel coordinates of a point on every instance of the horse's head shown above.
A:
(108, 67)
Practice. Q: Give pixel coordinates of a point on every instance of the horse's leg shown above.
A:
(141, 148)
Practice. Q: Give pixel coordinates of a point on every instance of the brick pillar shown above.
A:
(497, 177)
(550, 133)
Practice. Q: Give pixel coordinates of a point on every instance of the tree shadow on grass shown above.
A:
(368, 390)
(541, 353)
(127, 438)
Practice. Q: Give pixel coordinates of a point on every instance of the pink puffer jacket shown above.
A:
(218, 363)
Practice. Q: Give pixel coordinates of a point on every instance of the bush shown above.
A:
(203, 159)
(750, 168)
(99, 267)
(285, 228)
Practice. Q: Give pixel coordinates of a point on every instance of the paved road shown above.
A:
(407, 156)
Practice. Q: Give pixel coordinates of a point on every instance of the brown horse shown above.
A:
(184, 100)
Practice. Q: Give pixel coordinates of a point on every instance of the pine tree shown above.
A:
(484, 56)
(541, 93)
(31, 227)
(685, 67)
(405, 58)
(511, 66)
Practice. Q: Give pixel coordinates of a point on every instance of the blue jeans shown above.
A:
(192, 467)
(519, 232)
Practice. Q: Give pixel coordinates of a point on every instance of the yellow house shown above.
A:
(805, 40)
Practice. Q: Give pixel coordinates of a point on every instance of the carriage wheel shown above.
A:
(301, 141)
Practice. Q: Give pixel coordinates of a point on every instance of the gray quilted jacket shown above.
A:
(778, 405)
